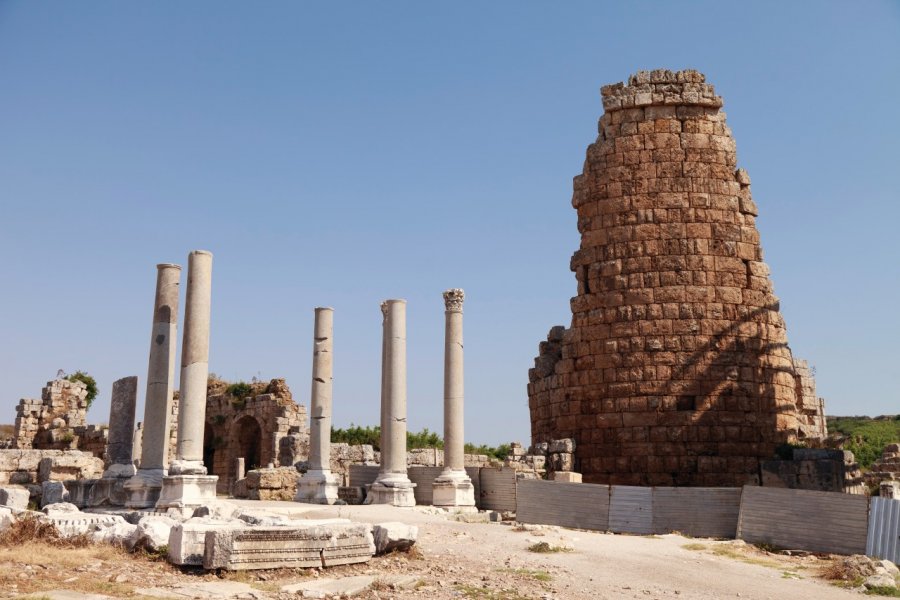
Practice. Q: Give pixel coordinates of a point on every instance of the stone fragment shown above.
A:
(880, 580)
(70, 466)
(7, 517)
(53, 492)
(14, 497)
(329, 544)
(563, 445)
(153, 532)
(393, 536)
(330, 588)
(121, 428)
(121, 534)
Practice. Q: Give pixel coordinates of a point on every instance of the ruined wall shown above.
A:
(676, 368)
(57, 421)
(253, 427)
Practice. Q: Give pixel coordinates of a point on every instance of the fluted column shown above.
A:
(393, 485)
(453, 487)
(319, 484)
(143, 489)
(188, 483)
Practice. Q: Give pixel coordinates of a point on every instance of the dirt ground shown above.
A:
(453, 559)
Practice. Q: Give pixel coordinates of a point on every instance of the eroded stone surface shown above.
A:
(675, 369)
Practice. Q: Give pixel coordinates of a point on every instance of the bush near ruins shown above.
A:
(89, 382)
(866, 437)
(355, 435)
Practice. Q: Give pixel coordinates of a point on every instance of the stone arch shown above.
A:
(246, 438)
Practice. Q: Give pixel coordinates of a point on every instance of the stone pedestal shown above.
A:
(392, 485)
(143, 489)
(187, 491)
(319, 485)
(188, 483)
(121, 427)
(453, 487)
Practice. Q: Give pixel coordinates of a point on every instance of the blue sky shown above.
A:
(342, 153)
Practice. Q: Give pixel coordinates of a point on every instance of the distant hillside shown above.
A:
(866, 437)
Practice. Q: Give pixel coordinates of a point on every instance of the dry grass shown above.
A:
(30, 529)
(545, 548)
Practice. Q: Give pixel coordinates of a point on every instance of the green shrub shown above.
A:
(867, 437)
(88, 381)
(239, 390)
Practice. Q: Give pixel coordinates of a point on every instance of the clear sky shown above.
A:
(342, 153)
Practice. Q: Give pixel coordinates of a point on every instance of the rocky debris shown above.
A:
(14, 497)
(218, 510)
(393, 536)
(60, 508)
(886, 469)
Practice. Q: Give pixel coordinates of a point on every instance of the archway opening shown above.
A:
(209, 449)
(248, 441)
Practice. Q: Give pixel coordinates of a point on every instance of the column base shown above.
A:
(317, 487)
(142, 490)
(187, 491)
(453, 489)
(396, 493)
(187, 467)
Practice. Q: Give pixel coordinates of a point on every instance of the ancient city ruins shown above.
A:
(665, 405)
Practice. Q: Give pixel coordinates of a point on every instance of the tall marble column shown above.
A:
(385, 424)
(393, 485)
(319, 485)
(453, 487)
(188, 483)
(143, 489)
(121, 428)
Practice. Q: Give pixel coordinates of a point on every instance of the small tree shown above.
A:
(89, 382)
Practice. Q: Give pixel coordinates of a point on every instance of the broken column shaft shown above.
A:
(121, 428)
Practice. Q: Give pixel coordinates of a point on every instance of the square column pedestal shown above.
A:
(386, 492)
(187, 491)
(317, 487)
(142, 490)
(453, 489)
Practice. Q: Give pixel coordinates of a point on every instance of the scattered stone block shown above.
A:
(121, 534)
(14, 497)
(321, 545)
(153, 532)
(187, 540)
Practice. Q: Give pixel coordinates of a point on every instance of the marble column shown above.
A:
(187, 484)
(385, 424)
(319, 485)
(143, 489)
(121, 429)
(453, 488)
(392, 485)
(137, 444)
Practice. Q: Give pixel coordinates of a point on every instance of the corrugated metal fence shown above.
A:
(883, 540)
(578, 505)
(497, 490)
(698, 512)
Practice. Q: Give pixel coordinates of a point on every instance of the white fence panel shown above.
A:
(883, 540)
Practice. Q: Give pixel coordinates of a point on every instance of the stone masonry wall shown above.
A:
(675, 369)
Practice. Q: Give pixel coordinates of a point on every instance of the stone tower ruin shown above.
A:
(676, 368)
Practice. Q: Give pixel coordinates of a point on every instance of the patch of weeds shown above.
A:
(790, 575)
(520, 527)
(471, 591)
(542, 576)
(884, 590)
(33, 529)
(545, 548)
(694, 546)
(731, 553)
(765, 547)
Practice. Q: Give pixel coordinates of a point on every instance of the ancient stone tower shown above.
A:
(676, 368)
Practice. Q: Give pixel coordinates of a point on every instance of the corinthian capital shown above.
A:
(453, 299)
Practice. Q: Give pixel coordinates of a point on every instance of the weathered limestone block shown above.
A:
(393, 536)
(278, 483)
(153, 532)
(567, 476)
(70, 522)
(323, 545)
(14, 497)
(53, 492)
(121, 534)
(187, 540)
(70, 466)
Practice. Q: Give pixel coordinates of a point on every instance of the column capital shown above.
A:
(384, 307)
(453, 300)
